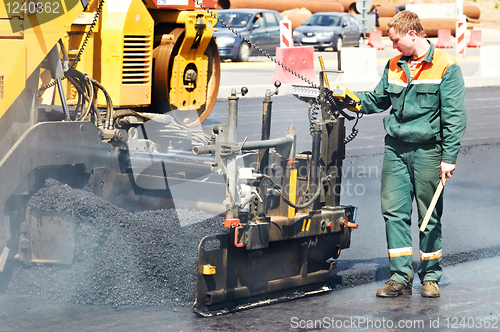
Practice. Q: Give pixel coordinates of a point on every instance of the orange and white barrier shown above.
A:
(460, 36)
(286, 33)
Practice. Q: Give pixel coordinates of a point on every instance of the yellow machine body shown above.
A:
(181, 91)
(120, 55)
(341, 92)
(126, 52)
(28, 42)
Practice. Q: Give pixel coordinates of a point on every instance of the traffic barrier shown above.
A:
(488, 61)
(476, 39)
(375, 40)
(286, 33)
(299, 59)
(489, 69)
(461, 28)
(444, 39)
(359, 66)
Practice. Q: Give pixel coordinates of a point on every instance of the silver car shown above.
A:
(329, 29)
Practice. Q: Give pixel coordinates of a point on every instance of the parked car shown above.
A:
(261, 27)
(328, 29)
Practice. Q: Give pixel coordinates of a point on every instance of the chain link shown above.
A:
(82, 48)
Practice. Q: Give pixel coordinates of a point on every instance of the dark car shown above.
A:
(261, 27)
(327, 29)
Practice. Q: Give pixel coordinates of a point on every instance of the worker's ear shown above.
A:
(412, 34)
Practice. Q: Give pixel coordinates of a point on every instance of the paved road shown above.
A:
(470, 290)
(350, 309)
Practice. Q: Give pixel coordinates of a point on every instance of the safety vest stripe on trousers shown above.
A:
(408, 251)
(431, 255)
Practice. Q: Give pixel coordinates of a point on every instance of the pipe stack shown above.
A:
(299, 11)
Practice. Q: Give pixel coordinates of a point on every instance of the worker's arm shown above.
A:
(378, 100)
(453, 116)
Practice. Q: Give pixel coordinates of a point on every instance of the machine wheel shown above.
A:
(164, 55)
(361, 41)
(338, 44)
(244, 52)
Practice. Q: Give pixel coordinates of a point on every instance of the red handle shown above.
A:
(236, 244)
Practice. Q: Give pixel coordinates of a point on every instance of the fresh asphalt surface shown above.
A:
(470, 290)
(470, 287)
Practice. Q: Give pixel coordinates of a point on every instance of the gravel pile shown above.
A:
(120, 258)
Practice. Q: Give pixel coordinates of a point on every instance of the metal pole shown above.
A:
(232, 118)
(315, 171)
(459, 4)
(264, 153)
(364, 18)
(230, 160)
(63, 98)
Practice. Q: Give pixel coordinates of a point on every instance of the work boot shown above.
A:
(393, 288)
(430, 288)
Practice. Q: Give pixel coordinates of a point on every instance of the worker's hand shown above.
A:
(446, 171)
(348, 103)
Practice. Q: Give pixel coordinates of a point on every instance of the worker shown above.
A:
(374, 11)
(423, 91)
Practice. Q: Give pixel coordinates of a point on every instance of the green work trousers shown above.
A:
(411, 171)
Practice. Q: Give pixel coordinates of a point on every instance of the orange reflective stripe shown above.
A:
(429, 73)
(396, 74)
(440, 63)
(408, 251)
(431, 255)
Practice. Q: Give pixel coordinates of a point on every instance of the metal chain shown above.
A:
(279, 63)
(82, 48)
(313, 107)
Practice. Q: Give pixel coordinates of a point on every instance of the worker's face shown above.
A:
(405, 43)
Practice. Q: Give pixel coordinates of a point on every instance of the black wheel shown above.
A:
(321, 49)
(244, 52)
(338, 44)
(361, 41)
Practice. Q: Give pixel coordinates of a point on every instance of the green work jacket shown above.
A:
(428, 109)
